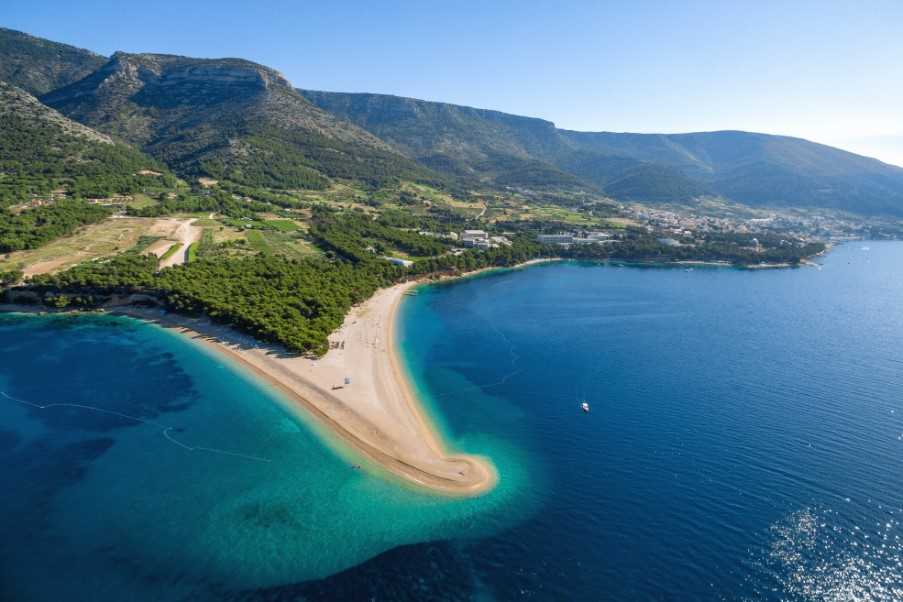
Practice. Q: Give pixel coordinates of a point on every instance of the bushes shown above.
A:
(10, 277)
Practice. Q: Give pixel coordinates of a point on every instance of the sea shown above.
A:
(744, 442)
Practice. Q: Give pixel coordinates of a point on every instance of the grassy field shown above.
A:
(560, 214)
(106, 238)
(171, 251)
(281, 243)
(140, 201)
(144, 242)
(281, 225)
(224, 234)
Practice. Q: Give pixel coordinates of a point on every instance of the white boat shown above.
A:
(584, 406)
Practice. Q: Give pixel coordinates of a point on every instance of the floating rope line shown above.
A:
(513, 356)
(478, 386)
(164, 429)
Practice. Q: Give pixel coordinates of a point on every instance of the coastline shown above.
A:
(377, 414)
(449, 277)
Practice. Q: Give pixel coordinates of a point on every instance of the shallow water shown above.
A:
(138, 466)
(745, 442)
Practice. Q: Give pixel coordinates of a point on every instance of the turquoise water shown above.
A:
(155, 471)
(745, 443)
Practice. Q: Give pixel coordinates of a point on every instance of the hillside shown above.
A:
(761, 169)
(489, 146)
(755, 169)
(237, 121)
(39, 66)
(227, 119)
(41, 150)
(43, 154)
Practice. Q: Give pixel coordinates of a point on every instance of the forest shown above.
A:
(350, 234)
(215, 201)
(638, 245)
(30, 228)
(38, 157)
(298, 302)
(295, 303)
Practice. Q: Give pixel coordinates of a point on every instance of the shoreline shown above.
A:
(450, 277)
(377, 415)
(362, 395)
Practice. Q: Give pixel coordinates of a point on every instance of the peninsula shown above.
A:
(358, 390)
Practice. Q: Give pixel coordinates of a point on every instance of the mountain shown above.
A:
(761, 169)
(39, 66)
(755, 169)
(41, 150)
(234, 120)
(489, 146)
(227, 119)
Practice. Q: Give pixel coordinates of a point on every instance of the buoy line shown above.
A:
(164, 429)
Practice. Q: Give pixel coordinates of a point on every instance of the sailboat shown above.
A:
(584, 406)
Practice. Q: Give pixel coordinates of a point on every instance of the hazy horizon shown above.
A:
(824, 73)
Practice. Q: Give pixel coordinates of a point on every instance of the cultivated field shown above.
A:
(111, 236)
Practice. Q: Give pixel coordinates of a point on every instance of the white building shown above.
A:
(561, 238)
(597, 236)
(474, 238)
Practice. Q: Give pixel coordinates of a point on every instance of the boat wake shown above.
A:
(165, 430)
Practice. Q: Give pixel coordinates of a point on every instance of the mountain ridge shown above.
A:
(224, 118)
(749, 167)
(235, 120)
(38, 66)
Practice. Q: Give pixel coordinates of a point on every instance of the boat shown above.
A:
(584, 406)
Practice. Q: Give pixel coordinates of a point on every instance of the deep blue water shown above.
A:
(745, 443)
(746, 432)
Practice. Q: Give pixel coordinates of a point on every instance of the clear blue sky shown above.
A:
(829, 71)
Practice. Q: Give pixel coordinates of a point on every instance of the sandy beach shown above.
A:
(359, 390)
(376, 413)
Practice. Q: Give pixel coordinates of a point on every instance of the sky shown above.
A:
(830, 71)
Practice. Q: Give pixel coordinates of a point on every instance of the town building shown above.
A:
(474, 238)
(561, 238)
